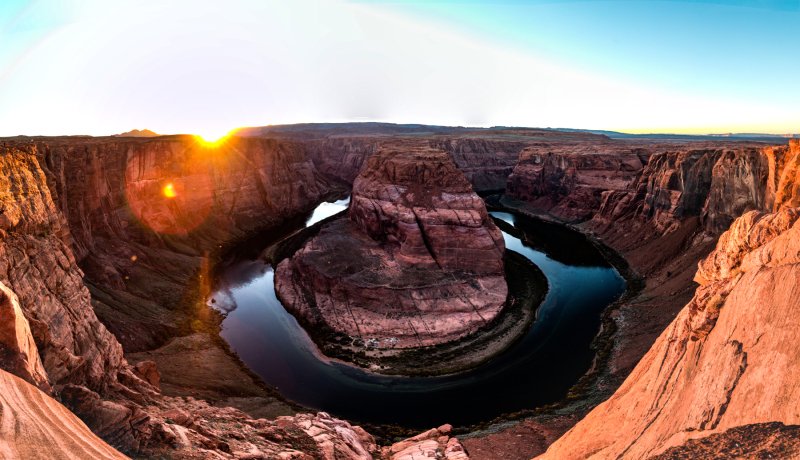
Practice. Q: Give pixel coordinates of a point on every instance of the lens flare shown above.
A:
(169, 190)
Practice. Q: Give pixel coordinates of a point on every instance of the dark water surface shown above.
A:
(537, 370)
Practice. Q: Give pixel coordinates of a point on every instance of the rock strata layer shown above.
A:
(417, 262)
(35, 426)
(729, 359)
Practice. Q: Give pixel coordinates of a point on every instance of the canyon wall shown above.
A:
(37, 263)
(37, 267)
(569, 180)
(728, 360)
(657, 184)
(139, 247)
(110, 193)
(486, 157)
(486, 163)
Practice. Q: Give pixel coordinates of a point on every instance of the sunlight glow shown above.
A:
(169, 190)
(212, 138)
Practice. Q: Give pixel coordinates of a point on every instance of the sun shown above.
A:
(213, 138)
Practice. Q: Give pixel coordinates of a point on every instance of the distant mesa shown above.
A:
(138, 133)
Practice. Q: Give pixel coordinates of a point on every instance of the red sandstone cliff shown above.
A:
(36, 262)
(418, 262)
(18, 352)
(569, 180)
(33, 425)
(729, 359)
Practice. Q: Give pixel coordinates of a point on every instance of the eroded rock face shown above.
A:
(18, 353)
(569, 181)
(417, 262)
(656, 184)
(729, 359)
(486, 163)
(784, 174)
(37, 264)
(34, 425)
(715, 185)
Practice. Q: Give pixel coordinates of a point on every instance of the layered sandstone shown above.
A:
(18, 353)
(714, 183)
(726, 361)
(485, 162)
(486, 156)
(35, 426)
(417, 262)
(569, 180)
(37, 264)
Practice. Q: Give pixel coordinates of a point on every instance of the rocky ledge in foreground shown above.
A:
(417, 262)
(725, 372)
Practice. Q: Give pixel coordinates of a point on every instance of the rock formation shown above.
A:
(18, 353)
(418, 261)
(728, 359)
(34, 425)
(137, 133)
(37, 264)
(433, 444)
(486, 163)
(569, 180)
(80, 358)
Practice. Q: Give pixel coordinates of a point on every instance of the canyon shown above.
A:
(107, 247)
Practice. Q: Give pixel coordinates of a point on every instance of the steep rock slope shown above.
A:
(661, 205)
(35, 426)
(37, 264)
(727, 360)
(663, 219)
(18, 353)
(418, 261)
(715, 183)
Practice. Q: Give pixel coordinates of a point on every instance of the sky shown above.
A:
(186, 66)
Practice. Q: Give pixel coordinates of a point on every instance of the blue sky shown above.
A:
(729, 48)
(97, 67)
